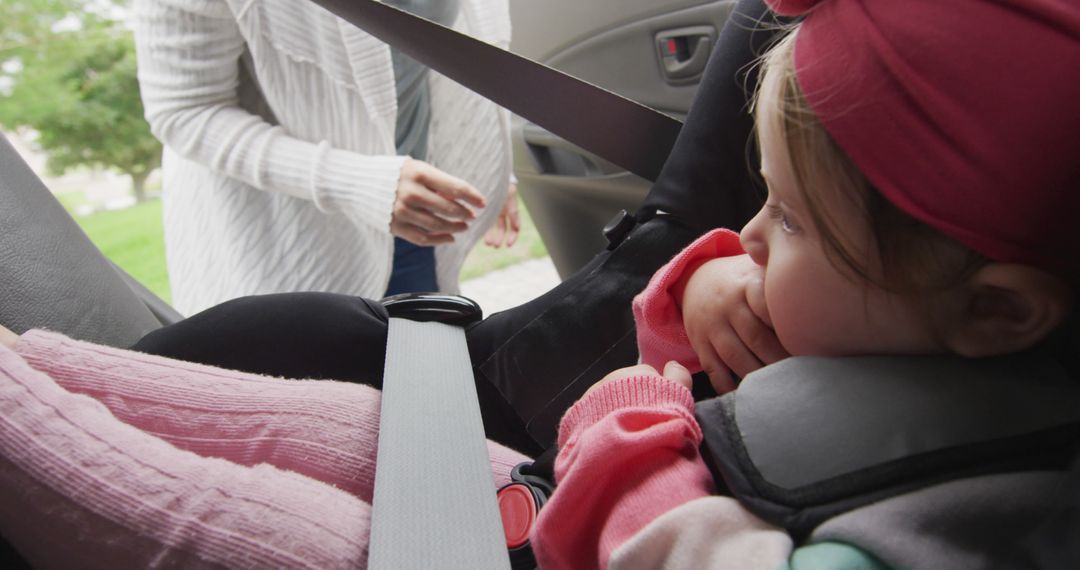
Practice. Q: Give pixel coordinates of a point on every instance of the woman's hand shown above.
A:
(726, 320)
(8, 338)
(431, 205)
(673, 371)
(507, 225)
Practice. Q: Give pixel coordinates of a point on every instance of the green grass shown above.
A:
(132, 238)
(483, 259)
(72, 201)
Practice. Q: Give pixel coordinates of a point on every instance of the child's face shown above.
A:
(816, 308)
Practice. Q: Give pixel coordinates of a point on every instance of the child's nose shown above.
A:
(753, 240)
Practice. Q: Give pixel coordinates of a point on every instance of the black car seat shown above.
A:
(53, 277)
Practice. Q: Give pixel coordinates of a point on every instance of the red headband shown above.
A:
(963, 113)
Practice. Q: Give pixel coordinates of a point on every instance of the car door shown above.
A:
(650, 51)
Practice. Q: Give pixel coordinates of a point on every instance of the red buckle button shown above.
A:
(518, 509)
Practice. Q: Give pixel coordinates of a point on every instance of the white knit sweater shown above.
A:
(253, 208)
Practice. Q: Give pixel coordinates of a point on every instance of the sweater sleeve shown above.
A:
(322, 429)
(78, 487)
(188, 55)
(628, 452)
(658, 318)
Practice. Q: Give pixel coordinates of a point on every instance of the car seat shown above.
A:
(53, 277)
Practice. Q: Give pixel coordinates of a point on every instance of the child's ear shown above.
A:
(1009, 308)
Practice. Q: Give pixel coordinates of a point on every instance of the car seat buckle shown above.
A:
(618, 228)
(519, 504)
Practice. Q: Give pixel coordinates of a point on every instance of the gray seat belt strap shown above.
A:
(578, 111)
(434, 504)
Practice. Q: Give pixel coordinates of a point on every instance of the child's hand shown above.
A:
(726, 320)
(673, 371)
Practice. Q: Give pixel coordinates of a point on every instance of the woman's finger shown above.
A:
(450, 187)
(431, 223)
(495, 234)
(418, 197)
(418, 236)
(513, 219)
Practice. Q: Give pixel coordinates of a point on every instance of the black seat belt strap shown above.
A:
(577, 111)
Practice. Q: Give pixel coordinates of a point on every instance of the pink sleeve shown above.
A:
(127, 459)
(324, 429)
(628, 452)
(78, 487)
(660, 333)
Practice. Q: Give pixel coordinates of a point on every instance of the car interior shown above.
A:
(650, 52)
(653, 52)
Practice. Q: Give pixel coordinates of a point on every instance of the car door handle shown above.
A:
(684, 52)
(553, 155)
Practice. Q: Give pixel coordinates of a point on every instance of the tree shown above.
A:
(71, 77)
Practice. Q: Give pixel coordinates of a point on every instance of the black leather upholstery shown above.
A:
(52, 276)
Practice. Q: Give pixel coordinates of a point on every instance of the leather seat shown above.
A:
(53, 277)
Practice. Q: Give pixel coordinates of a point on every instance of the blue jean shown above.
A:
(414, 269)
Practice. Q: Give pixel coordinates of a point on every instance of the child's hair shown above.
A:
(914, 256)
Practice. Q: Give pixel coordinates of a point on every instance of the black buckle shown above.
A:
(426, 307)
(618, 228)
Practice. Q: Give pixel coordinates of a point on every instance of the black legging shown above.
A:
(309, 335)
(533, 361)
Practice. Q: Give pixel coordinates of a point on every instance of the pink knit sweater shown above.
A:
(660, 333)
(633, 490)
(115, 459)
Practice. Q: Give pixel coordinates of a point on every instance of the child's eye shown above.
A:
(777, 213)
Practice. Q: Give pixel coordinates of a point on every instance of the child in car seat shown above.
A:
(150, 460)
(920, 164)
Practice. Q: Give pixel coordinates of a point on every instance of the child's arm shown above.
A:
(80, 488)
(705, 309)
(628, 454)
(323, 429)
(726, 320)
(633, 492)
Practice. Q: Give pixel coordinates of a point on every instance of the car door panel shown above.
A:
(620, 45)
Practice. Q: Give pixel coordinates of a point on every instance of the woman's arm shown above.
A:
(188, 54)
